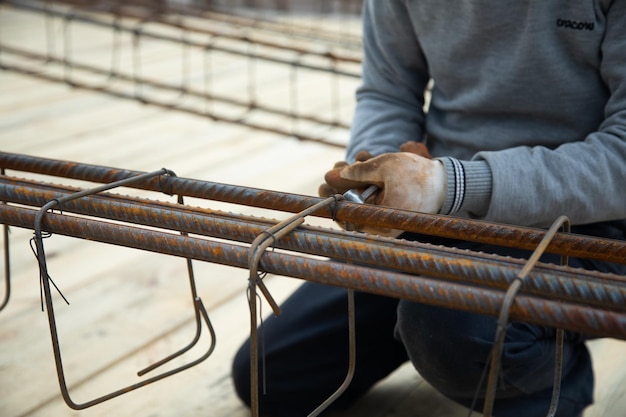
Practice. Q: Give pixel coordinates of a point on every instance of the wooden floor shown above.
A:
(130, 308)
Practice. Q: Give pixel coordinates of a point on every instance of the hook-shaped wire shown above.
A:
(257, 248)
(41, 258)
(351, 358)
(198, 308)
(7, 262)
(351, 336)
(503, 319)
(7, 268)
(558, 354)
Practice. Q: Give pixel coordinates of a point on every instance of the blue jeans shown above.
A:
(306, 350)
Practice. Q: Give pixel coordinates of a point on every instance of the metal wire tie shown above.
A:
(199, 308)
(199, 312)
(257, 248)
(503, 320)
(7, 260)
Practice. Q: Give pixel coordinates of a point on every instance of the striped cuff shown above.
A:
(469, 186)
(455, 178)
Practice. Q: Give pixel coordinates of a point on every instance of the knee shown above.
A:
(451, 349)
(448, 348)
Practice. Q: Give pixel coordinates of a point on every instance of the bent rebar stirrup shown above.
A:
(257, 248)
(199, 309)
(7, 264)
(503, 320)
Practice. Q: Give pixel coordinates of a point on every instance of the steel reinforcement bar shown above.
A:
(557, 296)
(607, 250)
(130, 83)
(569, 316)
(170, 13)
(546, 280)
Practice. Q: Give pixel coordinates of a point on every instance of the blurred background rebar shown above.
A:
(282, 44)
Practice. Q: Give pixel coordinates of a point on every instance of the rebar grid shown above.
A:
(210, 50)
(558, 296)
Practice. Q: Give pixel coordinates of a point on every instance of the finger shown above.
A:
(417, 148)
(340, 164)
(334, 179)
(325, 191)
(363, 156)
(368, 172)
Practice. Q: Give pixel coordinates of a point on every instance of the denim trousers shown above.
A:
(305, 349)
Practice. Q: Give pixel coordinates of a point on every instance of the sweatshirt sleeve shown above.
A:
(584, 180)
(390, 99)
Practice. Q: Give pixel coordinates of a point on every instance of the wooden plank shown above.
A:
(138, 305)
(609, 359)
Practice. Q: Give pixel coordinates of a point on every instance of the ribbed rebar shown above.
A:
(171, 106)
(608, 250)
(168, 87)
(595, 288)
(247, 46)
(135, 15)
(580, 318)
(227, 14)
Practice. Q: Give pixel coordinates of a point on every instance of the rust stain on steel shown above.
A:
(604, 290)
(472, 230)
(571, 316)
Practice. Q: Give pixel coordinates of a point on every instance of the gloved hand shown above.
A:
(334, 185)
(405, 181)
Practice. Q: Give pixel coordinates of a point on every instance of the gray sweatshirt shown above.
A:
(528, 100)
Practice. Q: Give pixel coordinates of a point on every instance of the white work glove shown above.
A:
(404, 180)
(334, 185)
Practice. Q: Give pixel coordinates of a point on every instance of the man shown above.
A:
(527, 121)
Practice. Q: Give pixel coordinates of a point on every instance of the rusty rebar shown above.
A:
(581, 318)
(167, 87)
(161, 18)
(607, 250)
(595, 288)
(176, 106)
(546, 305)
(170, 14)
(134, 81)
